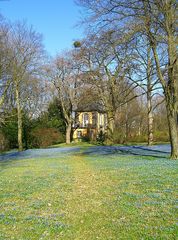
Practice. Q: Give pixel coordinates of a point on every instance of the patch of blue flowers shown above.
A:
(38, 153)
(160, 151)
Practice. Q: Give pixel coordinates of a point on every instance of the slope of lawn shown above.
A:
(88, 193)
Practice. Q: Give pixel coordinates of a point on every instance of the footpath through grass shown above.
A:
(83, 196)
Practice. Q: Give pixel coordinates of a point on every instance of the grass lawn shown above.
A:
(78, 195)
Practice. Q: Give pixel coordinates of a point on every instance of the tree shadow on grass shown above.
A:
(155, 148)
(37, 153)
(158, 152)
(11, 155)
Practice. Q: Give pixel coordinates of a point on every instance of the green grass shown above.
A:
(88, 197)
(72, 144)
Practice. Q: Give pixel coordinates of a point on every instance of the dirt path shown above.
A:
(84, 205)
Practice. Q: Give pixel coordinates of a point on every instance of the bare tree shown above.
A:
(106, 68)
(5, 81)
(146, 77)
(157, 21)
(25, 55)
(62, 74)
(160, 25)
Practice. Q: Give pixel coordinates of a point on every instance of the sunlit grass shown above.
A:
(73, 144)
(80, 196)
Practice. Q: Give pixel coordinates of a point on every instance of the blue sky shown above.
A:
(55, 19)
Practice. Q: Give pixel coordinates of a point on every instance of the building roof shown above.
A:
(90, 107)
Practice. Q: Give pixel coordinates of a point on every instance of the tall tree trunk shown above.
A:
(68, 133)
(19, 116)
(171, 96)
(150, 121)
(172, 87)
(149, 98)
(126, 124)
(172, 113)
(173, 130)
(169, 85)
(111, 126)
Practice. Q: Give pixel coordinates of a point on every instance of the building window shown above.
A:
(105, 120)
(94, 118)
(85, 119)
(79, 134)
(101, 120)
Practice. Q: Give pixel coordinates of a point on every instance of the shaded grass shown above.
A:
(88, 197)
